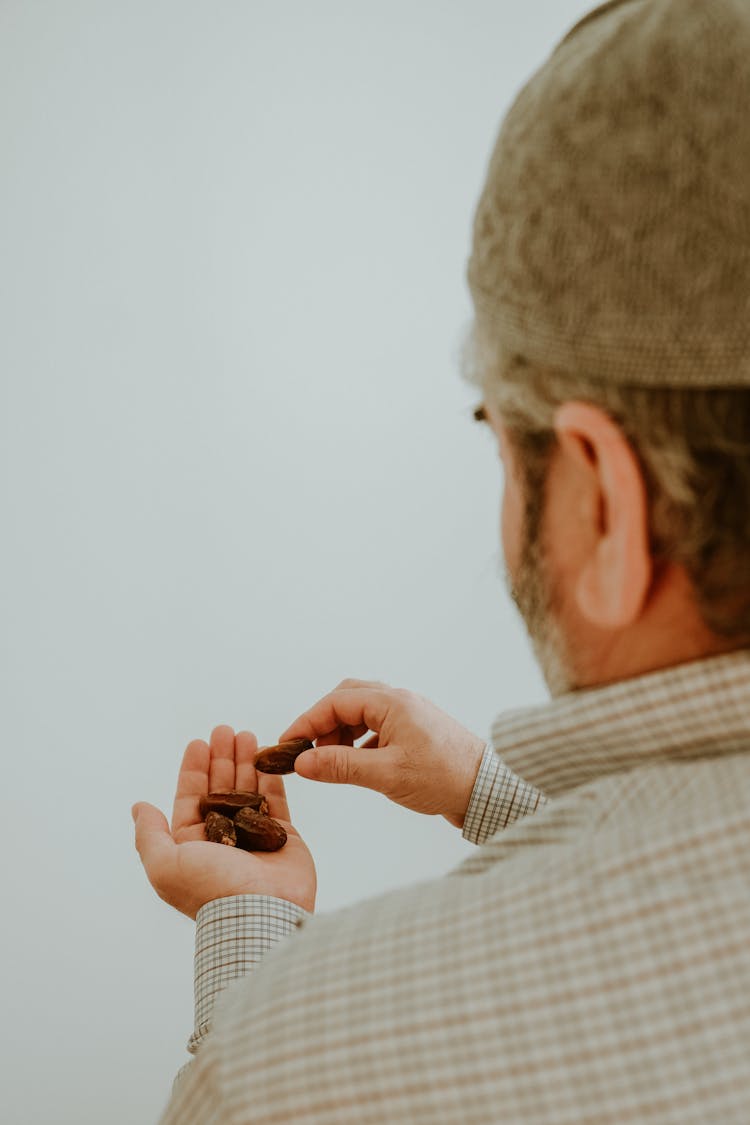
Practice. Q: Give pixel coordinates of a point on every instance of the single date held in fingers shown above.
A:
(239, 818)
(281, 758)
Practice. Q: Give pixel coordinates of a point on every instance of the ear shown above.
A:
(616, 571)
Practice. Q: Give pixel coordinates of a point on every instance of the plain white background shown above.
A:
(238, 460)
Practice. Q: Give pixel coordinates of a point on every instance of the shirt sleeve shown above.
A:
(231, 937)
(499, 798)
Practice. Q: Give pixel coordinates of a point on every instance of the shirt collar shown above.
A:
(695, 710)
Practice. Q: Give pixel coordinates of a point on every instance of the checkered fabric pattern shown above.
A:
(232, 935)
(610, 238)
(499, 798)
(588, 964)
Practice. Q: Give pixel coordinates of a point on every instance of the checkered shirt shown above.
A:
(589, 964)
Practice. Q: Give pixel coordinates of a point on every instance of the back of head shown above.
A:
(612, 237)
(611, 263)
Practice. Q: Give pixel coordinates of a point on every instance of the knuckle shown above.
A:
(351, 682)
(341, 768)
(405, 697)
(414, 700)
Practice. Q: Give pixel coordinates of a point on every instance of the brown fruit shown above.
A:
(281, 758)
(220, 830)
(258, 833)
(229, 801)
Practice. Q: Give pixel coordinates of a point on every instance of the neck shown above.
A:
(669, 631)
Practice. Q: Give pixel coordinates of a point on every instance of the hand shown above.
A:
(185, 869)
(418, 756)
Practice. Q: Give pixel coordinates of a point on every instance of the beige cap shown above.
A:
(612, 237)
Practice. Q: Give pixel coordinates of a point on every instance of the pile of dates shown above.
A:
(239, 817)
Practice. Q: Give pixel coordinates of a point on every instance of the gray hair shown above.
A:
(693, 445)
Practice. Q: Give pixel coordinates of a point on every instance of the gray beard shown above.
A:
(538, 603)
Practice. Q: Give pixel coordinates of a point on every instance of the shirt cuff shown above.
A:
(231, 936)
(499, 798)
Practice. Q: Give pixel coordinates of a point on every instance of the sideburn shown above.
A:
(533, 455)
(532, 590)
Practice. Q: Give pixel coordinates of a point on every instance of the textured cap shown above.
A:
(612, 237)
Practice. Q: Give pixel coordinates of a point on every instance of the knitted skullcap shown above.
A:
(612, 237)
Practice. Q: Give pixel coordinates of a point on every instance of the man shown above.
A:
(591, 962)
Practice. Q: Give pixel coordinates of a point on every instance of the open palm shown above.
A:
(185, 869)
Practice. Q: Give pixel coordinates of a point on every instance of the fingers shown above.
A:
(350, 683)
(358, 708)
(245, 751)
(372, 769)
(272, 788)
(192, 783)
(153, 842)
(204, 768)
(221, 768)
(340, 734)
(228, 762)
(246, 776)
(343, 736)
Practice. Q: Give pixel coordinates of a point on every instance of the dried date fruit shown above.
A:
(230, 801)
(281, 758)
(220, 829)
(239, 817)
(258, 833)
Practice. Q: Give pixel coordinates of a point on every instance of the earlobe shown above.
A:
(616, 570)
(613, 585)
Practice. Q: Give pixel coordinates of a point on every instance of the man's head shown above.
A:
(610, 272)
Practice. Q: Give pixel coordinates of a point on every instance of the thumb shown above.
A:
(346, 765)
(152, 838)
